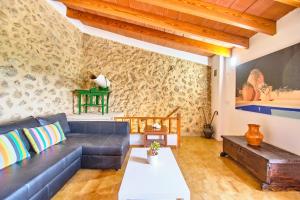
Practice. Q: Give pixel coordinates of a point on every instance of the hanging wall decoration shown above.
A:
(271, 84)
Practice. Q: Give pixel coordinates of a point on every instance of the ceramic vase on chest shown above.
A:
(253, 135)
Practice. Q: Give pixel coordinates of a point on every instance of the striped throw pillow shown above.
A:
(12, 149)
(43, 137)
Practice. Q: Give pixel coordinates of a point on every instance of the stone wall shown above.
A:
(146, 83)
(40, 56)
(43, 58)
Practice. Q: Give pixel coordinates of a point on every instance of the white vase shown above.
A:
(102, 81)
(152, 160)
(156, 126)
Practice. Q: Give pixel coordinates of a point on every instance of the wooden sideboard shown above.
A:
(275, 168)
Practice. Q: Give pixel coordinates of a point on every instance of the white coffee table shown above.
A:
(162, 181)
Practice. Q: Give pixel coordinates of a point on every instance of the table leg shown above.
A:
(91, 98)
(97, 103)
(102, 104)
(97, 100)
(166, 140)
(107, 100)
(79, 103)
(86, 103)
(145, 140)
(73, 102)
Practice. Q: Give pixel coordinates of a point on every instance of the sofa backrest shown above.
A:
(100, 127)
(60, 117)
(29, 122)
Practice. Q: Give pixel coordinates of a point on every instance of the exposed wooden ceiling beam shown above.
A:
(217, 13)
(149, 35)
(295, 3)
(150, 20)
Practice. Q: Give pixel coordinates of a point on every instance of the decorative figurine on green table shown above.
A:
(95, 97)
(101, 81)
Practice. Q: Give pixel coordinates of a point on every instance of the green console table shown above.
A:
(95, 97)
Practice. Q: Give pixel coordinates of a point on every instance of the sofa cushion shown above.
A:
(29, 176)
(28, 122)
(98, 144)
(43, 137)
(12, 149)
(61, 118)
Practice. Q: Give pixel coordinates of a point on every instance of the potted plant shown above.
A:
(208, 129)
(153, 152)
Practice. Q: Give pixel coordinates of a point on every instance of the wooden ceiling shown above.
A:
(205, 27)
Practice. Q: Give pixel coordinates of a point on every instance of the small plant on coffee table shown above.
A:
(154, 147)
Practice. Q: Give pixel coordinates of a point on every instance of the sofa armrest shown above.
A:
(99, 127)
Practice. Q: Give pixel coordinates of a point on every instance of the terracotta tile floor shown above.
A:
(207, 175)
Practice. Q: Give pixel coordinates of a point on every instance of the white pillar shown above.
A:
(218, 71)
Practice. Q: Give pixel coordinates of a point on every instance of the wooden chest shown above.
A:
(276, 168)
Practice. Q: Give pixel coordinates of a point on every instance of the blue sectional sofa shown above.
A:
(89, 144)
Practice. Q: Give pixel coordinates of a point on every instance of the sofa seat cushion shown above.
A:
(99, 144)
(29, 176)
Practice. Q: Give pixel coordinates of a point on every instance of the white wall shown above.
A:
(279, 131)
(60, 7)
